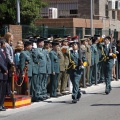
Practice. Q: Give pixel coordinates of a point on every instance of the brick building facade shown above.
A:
(76, 13)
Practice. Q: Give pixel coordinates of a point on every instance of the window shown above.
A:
(106, 11)
(87, 31)
(113, 14)
(73, 11)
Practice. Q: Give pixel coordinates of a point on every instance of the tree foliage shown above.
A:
(29, 11)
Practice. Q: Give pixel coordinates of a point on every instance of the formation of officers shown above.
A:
(51, 62)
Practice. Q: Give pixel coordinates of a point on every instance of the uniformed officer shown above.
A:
(55, 67)
(95, 59)
(26, 57)
(42, 68)
(65, 48)
(76, 70)
(109, 51)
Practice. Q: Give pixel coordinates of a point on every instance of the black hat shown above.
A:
(96, 35)
(27, 43)
(32, 40)
(73, 42)
(108, 37)
(46, 41)
(94, 39)
(40, 40)
(55, 43)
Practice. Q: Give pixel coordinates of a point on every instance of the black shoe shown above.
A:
(74, 101)
(47, 97)
(107, 92)
(2, 109)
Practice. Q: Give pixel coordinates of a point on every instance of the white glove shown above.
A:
(117, 52)
(82, 67)
(110, 54)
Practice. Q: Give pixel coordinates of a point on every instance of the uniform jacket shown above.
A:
(61, 60)
(3, 66)
(26, 56)
(42, 60)
(107, 51)
(48, 62)
(75, 58)
(96, 54)
(55, 65)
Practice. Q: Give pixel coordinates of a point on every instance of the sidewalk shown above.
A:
(48, 102)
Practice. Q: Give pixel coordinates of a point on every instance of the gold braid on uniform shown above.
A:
(72, 63)
(104, 56)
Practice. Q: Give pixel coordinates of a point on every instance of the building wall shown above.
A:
(16, 30)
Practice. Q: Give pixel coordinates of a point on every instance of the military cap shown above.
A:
(94, 39)
(83, 39)
(27, 43)
(96, 35)
(55, 43)
(58, 39)
(74, 37)
(64, 40)
(73, 42)
(32, 40)
(108, 37)
(40, 39)
(46, 41)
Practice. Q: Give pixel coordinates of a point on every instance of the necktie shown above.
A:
(4, 53)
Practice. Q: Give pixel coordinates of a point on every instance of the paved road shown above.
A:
(94, 105)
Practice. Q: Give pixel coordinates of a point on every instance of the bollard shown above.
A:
(96, 74)
(116, 69)
(83, 77)
(13, 85)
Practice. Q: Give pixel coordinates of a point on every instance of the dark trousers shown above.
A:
(108, 74)
(3, 84)
(53, 84)
(75, 78)
(44, 85)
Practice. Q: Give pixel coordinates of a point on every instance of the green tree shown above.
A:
(29, 11)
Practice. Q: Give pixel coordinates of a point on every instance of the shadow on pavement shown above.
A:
(97, 93)
(115, 87)
(65, 102)
(105, 105)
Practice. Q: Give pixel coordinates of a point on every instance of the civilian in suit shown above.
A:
(10, 57)
(3, 75)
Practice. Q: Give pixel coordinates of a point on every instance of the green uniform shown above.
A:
(96, 60)
(100, 63)
(26, 56)
(34, 83)
(42, 72)
(55, 68)
(48, 72)
(108, 64)
(76, 73)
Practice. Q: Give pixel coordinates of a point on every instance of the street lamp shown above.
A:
(91, 17)
(18, 12)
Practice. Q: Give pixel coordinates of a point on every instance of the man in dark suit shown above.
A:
(3, 75)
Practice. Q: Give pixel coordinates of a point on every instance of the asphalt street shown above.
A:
(94, 105)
